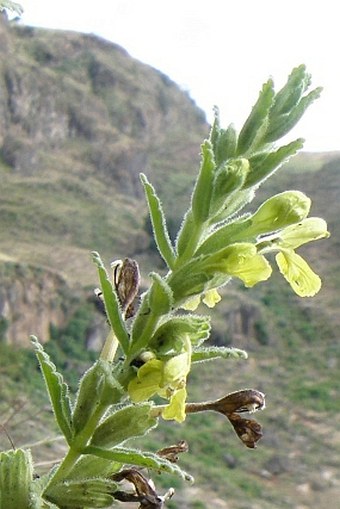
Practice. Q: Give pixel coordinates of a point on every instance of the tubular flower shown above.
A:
(166, 379)
(292, 266)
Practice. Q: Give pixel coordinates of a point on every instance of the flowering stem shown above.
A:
(192, 244)
(110, 347)
(77, 446)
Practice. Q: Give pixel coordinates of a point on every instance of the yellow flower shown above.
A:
(176, 408)
(311, 228)
(293, 267)
(166, 379)
(210, 299)
(298, 273)
(245, 263)
(192, 303)
(147, 382)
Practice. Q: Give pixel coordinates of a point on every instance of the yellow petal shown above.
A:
(311, 228)
(176, 370)
(175, 410)
(250, 269)
(211, 298)
(298, 273)
(192, 303)
(147, 382)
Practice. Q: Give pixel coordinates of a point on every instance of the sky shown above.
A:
(220, 51)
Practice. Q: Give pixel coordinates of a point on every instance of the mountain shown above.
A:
(79, 120)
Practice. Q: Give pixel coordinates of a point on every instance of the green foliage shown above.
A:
(57, 390)
(3, 328)
(16, 476)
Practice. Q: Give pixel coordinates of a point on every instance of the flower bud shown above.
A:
(229, 178)
(280, 211)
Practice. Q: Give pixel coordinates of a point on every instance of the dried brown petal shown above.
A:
(171, 453)
(248, 430)
(145, 493)
(247, 400)
(126, 278)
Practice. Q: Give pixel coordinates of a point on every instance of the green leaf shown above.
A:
(57, 389)
(254, 129)
(131, 421)
(141, 459)
(91, 466)
(200, 201)
(215, 130)
(216, 352)
(160, 299)
(227, 235)
(284, 123)
(158, 222)
(290, 94)
(112, 306)
(169, 337)
(264, 165)
(185, 233)
(188, 280)
(225, 145)
(90, 493)
(98, 388)
(16, 477)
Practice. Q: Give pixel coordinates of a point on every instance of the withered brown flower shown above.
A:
(231, 405)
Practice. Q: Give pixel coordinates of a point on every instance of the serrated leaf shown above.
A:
(112, 305)
(92, 493)
(217, 352)
(141, 459)
(16, 477)
(57, 389)
(158, 222)
(129, 422)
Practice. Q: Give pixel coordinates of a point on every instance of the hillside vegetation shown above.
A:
(79, 120)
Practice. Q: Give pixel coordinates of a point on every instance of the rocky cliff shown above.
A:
(79, 120)
(31, 300)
